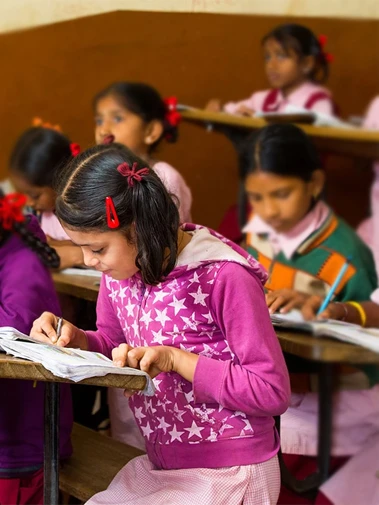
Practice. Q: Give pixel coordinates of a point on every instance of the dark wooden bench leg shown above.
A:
(51, 445)
(312, 482)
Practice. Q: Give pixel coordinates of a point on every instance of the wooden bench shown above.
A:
(96, 459)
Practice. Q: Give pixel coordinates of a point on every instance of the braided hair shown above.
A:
(47, 254)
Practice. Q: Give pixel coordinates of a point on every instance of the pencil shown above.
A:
(334, 286)
(59, 327)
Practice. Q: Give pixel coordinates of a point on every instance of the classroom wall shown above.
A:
(54, 71)
(16, 14)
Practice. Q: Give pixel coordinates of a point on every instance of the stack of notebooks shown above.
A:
(351, 333)
(68, 363)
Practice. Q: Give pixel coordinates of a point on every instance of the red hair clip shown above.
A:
(75, 149)
(173, 117)
(323, 39)
(11, 210)
(112, 217)
(132, 173)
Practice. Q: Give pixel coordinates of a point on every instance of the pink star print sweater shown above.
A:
(211, 304)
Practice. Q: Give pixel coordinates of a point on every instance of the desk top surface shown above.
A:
(80, 286)
(15, 368)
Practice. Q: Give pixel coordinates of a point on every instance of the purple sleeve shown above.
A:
(256, 381)
(109, 333)
(26, 290)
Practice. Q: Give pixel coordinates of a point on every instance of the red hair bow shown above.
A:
(11, 210)
(323, 39)
(132, 173)
(75, 149)
(173, 117)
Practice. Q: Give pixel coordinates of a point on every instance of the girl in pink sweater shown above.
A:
(186, 306)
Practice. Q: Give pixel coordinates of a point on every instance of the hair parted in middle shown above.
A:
(147, 214)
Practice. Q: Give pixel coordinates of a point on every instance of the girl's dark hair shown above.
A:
(281, 149)
(46, 254)
(147, 214)
(144, 101)
(38, 154)
(304, 43)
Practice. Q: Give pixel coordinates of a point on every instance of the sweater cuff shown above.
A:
(208, 380)
(93, 342)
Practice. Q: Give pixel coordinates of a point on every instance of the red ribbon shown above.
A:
(75, 149)
(132, 173)
(173, 117)
(323, 39)
(11, 210)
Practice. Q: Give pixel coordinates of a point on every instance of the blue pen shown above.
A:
(334, 286)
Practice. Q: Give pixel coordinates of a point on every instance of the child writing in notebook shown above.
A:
(303, 245)
(168, 304)
(38, 154)
(134, 114)
(295, 65)
(26, 289)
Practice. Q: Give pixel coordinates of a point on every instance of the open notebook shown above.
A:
(351, 333)
(68, 363)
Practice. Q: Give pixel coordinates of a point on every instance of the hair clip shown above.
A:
(172, 116)
(323, 39)
(37, 121)
(75, 149)
(11, 210)
(131, 173)
(112, 217)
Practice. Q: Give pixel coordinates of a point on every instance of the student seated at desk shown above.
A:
(134, 114)
(169, 306)
(303, 245)
(368, 230)
(38, 154)
(295, 65)
(357, 481)
(26, 289)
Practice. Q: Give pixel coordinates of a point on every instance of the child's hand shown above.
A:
(44, 330)
(213, 105)
(245, 111)
(153, 360)
(284, 300)
(120, 355)
(332, 311)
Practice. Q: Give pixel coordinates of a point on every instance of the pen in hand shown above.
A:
(59, 328)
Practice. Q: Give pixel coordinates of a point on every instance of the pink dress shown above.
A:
(177, 186)
(368, 230)
(52, 227)
(308, 95)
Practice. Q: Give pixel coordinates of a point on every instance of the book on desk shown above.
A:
(346, 332)
(66, 362)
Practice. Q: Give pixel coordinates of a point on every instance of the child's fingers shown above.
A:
(66, 335)
(135, 356)
(120, 355)
(277, 304)
(311, 307)
(43, 328)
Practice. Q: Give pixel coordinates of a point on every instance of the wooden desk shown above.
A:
(14, 368)
(80, 286)
(353, 142)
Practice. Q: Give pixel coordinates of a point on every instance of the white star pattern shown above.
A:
(189, 396)
(175, 434)
(135, 328)
(178, 413)
(113, 294)
(158, 338)
(199, 296)
(147, 430)
(213, 436)
(146, 318)
(138, 413)
(162, 316)
(157, 383)
(122, 294)
(134, 291)
(194, 431)
(208, 317)
(177, 304)
(190, 322)
(159, 296)
(130, 308)
(248, 425)
(162, 424)
(195, 279)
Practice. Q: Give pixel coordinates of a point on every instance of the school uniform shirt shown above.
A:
(212, 304)
(26, 290)
(368, 230)
(176, 185)
(309, 257)
(308, 95)
(52, 227)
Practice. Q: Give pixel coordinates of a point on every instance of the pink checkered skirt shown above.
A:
(140, 483)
